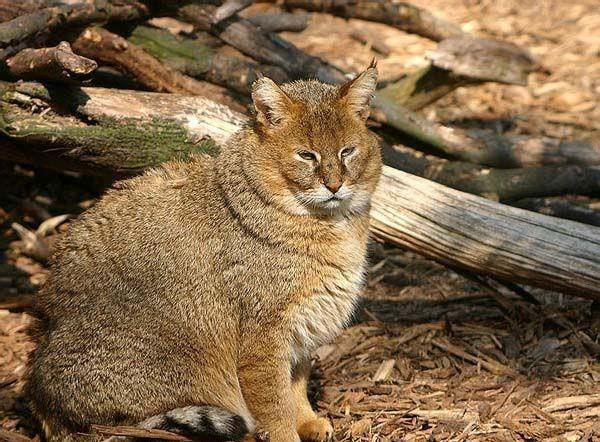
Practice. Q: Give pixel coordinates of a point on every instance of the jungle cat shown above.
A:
(190, 298)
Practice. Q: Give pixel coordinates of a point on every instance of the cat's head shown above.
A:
(316, 155)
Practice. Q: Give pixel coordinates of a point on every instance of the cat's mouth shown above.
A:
(333, 202)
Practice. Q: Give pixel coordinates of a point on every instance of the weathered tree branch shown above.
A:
(148, 71)
(280, 21)
(484, 59)
(496, 184)
(262, 46)
(229, 8)
(35, 28)
(139, 129)
(198, 60)
(58, 63)
(401, 15)
(423, 87)
(526, 151)
(485, 147)
(561, 207)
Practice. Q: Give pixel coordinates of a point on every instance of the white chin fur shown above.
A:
(321, 201)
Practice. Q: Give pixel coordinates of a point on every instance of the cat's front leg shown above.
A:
(267, 388)
(311, 427)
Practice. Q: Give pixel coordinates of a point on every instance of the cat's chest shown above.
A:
(322, 315)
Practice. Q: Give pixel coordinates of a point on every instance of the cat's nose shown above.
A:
(334, 186)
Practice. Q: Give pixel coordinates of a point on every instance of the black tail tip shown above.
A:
(212, 423)
(239, 428)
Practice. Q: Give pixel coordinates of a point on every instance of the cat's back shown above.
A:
(135, 239)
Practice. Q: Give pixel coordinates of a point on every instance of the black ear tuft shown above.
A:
(358, 93)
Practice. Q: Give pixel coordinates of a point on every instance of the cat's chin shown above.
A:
(332, 208)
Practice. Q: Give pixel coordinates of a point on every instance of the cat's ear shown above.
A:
(358, 93)
(271, 103)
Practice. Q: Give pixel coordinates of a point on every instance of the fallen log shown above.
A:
(496, 184)
(561, 207)
(124, 132)
(485, 147)
(198, 60)
(280, 21)
(102, 45)
(473, 233)
(58, 63)
(37, 26)
(440, 223)
(264, 47)
(400, 15)
(526, 151)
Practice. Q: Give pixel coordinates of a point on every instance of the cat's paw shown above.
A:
(316, 430)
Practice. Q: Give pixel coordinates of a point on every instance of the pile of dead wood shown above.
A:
(198, 59)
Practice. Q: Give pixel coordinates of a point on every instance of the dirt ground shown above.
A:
(433, 355)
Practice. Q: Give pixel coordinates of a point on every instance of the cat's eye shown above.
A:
(346, 151)
(308, 156)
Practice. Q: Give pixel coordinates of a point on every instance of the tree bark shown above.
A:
(400, 15)
(262, 46)
(561, 207)
(113, 49)
(133, 130)
(280, 21)
(198, 60)
(229, 8)
(496, 184)
(36, 27)
(107, 131)
(473, 233)
(58, 63)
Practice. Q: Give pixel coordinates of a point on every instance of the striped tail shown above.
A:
(203, 421)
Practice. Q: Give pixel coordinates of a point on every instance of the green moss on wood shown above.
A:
(183, 54)
(123, 145)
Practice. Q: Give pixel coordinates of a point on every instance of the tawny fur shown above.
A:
(209, 283)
